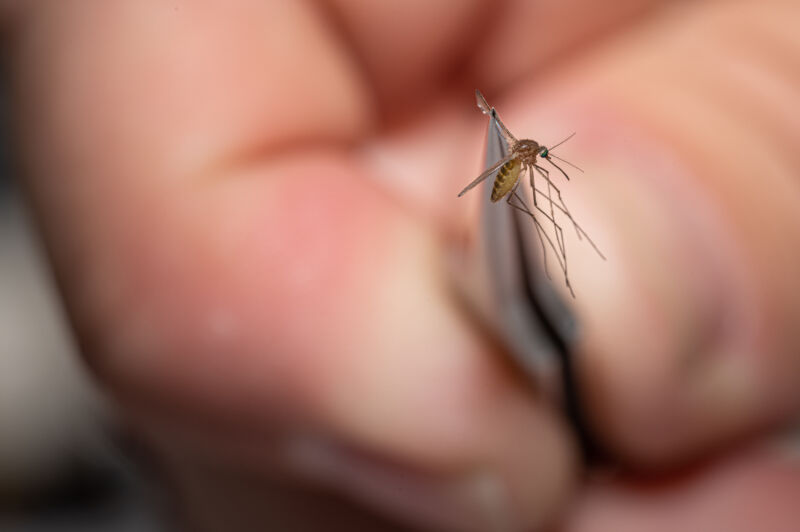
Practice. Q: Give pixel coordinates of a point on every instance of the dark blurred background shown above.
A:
(60, 464)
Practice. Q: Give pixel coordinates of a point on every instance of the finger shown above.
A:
(523, 38)
(758, 489)
(410, 50)
(231, 270)
(688, 339)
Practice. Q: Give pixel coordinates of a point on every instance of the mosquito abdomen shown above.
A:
(506, 179)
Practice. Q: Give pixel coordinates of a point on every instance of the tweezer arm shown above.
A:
(529, 315)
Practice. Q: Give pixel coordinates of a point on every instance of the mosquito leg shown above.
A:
(581, 232)
(522, 207)
(542, 170)
(563, 208)
(533, 186)
(539, 230)
(560, 251)
(552, 216)
(578, 229)
(556, 226)
(546, 174)
(559, 235)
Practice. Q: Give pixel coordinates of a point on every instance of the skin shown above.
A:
(250, 211)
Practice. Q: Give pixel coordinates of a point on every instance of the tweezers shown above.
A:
(524, 310)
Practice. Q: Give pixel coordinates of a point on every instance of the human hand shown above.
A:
(248, 209)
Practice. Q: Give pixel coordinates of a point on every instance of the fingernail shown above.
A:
(460, 502)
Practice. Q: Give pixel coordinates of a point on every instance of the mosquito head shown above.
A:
(544, 153)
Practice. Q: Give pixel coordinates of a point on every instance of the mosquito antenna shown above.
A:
(576, 167)
(548, 153)
(562, 142)
(549, 160)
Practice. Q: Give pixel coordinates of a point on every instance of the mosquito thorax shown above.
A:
(527, 150)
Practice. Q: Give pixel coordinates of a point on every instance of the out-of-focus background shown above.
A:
(60, 468)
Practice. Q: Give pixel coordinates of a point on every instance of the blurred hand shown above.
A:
(248, 208)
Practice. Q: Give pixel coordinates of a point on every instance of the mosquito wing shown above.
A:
(486, 109)
(486, 174)
(483, 105)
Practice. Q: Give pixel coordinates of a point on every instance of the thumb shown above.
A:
(689, 339)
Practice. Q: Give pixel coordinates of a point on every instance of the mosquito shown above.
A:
(521, 158)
